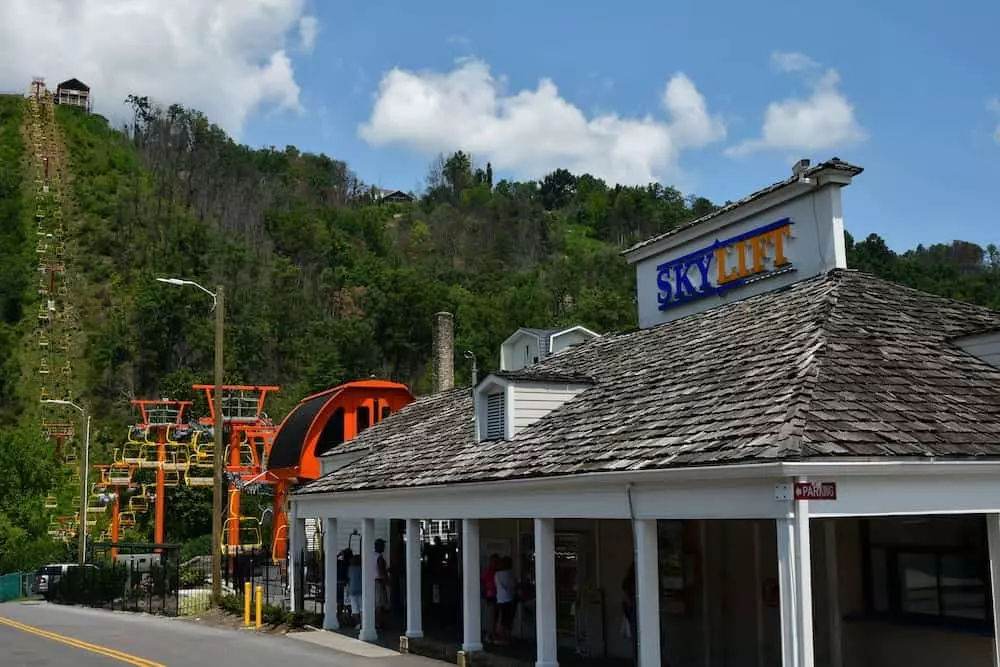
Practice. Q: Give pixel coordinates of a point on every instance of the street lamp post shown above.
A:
(83, 476)
(218, 305)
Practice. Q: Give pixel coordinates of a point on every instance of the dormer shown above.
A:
(984, 345)
(508, 402)
(528, 346)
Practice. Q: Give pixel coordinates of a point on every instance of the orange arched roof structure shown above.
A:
(322, 421)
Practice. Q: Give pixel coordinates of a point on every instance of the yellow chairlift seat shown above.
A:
(177, 458)
(250, 535)
(149, 492)
(119, 474)
(43, 313)
(43, 340)
(71, 458)
(248, 458)
(205, 452)
(138, 504)
(43, 366)
(51, 502)
(94, 504)
(200, 475)
(131, 453)
(171, 478)
(126, 519)
(148, 457)
(74, 477)
(91, 523)
(136, 433)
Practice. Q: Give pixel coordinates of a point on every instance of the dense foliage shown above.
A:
(324, 282)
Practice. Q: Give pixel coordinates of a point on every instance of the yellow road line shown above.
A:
(86, 646)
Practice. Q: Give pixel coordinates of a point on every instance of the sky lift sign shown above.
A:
(815, 490)
(725, 265)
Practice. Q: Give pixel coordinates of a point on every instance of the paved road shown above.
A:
(35, 634)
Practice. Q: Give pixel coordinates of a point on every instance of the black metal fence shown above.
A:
(152, 578)
(142, 577)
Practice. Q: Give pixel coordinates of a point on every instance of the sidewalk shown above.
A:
(373, 654)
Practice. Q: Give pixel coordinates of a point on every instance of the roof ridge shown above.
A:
(793, 430)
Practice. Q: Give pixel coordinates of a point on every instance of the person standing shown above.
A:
(489, 591)
(381, 583)
(506, 590)
(355, 584)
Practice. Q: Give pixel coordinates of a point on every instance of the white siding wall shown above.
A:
(534, 400)
(986, 347)
(566, 340)
(513, 356)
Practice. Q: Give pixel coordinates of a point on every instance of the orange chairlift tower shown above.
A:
(318, 424)
(159, 419)
(250, 434)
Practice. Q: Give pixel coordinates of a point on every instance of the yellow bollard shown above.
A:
(246, 604)
(260, 604)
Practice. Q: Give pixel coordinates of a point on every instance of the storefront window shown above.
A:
(930, 568)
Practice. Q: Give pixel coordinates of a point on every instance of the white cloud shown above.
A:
(225, 57)
(532, 132)
(993, 105)
(823, 120)
(308, 29)
(792, 61)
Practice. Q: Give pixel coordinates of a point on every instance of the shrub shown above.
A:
(192, 577)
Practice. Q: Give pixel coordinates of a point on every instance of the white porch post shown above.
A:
(472, 622)
(414, 613)
(296, 543)
(993, 537)
(785, 529)
(647, 587)
(330, 585)
(368, 632)
(803, 583)
(545, 593)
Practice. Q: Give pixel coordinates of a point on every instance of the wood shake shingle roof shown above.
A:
(843, 365)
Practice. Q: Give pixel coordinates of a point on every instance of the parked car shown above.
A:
(48, 575)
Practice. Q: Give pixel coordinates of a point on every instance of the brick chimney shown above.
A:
(444, 351)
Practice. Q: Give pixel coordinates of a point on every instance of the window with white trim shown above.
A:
(495, 422)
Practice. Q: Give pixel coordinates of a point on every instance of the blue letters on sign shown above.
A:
(751, 255)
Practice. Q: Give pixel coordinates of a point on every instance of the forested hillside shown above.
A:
(324, 284)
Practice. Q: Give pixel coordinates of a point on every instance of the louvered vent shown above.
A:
(495, 429)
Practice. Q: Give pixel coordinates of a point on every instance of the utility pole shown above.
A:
(84, 494)
(220, 451)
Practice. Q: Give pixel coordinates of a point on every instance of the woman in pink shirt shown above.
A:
(489, 587)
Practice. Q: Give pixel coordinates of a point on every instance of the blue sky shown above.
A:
(919, 80)
(717, 98)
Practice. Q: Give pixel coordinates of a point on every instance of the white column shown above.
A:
(785, 529)
(368, 632)
(993, 537)
(330, 621)
(472, 621)
(647, 587)
(414, 612)
(803, 583)
(545, 593)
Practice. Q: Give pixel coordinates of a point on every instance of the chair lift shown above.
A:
(51, 502)
(149, 457)
(250, 536)
(67, 369)
(76, 501)
(171, 478)
(138, 503)
(149, 492)
(43, 313)
(43, 340)
(136, 433)
(177, 458)
(199, 474)
(70, 457)
(120, 474)
(131, 453)
(94, 504)
(248, 457)
(126, 519)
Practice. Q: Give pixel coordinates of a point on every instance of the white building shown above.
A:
(802, 461)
